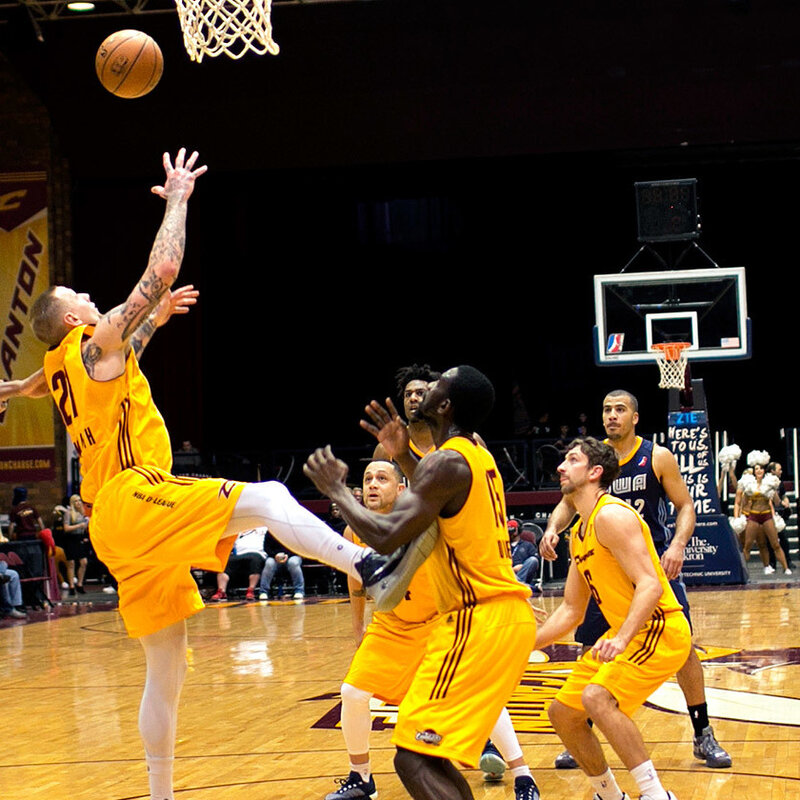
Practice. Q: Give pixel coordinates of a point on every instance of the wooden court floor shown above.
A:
(260, 706)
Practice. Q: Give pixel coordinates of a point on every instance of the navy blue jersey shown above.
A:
(638, 486)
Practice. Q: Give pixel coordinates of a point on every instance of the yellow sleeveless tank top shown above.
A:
(471, 561)
(113, 424)
(607, 581)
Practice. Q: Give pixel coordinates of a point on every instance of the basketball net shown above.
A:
(671, 358)
(232, 27)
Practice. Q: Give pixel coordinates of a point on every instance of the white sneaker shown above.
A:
(787, 571)
(768, 570)
(263, 596)
(64, 585)
(298, 596)
(109, 590)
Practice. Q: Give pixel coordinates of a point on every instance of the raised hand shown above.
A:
(178, 302)
(387, 427)
(180, 178)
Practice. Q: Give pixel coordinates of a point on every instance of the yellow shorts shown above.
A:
(388, 656)
(150, 528)
(650, 658)
(473, 662)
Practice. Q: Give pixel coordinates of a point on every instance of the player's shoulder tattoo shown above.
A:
(91, 355)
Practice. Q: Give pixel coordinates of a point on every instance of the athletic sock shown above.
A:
(647, 780)
(519, 772)
(159, 775)
(699, 716)
(606, 787)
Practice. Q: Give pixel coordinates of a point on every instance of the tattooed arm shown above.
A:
(177, 302)
(105, 352)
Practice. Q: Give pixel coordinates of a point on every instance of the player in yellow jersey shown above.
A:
(649, 478)
(417, 440)
(477, 651)
(613, 560)
(389, 649)
(389, 653)
(148, 526)
(412, 383)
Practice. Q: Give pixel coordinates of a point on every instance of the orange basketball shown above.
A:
(129, 63)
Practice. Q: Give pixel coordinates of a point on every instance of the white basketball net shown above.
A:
(671, 360)
(233, 27)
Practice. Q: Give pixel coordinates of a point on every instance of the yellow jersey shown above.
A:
(607, 581)
(418, 451)
(471, 560)
(113, 424)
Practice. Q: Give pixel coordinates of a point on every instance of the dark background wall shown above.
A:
(503, 140)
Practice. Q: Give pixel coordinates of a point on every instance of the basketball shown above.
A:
(129, 63)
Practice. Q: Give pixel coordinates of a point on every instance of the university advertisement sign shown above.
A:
(712, 555)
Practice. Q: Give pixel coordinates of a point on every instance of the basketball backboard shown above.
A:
(705, 307)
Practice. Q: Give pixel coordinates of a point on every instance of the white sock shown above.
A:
(505, 739)
(271, 505)
(356, 719)
(159, 775)
(605, 786)
(647, 780)
(519, 772)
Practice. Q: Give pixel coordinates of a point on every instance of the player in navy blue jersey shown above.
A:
(649, 478)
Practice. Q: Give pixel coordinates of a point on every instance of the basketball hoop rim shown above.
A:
(670, 351)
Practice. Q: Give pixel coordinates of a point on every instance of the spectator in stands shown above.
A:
(524, 555)
(187, 459)
(542, 427)
(335, 519)
(248, 557)
(24, 520)
(278, 558)
(10, 593)
(564, 438)
(76, 543)
(582, 426)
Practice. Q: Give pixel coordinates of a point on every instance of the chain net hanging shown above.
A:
(232, 27)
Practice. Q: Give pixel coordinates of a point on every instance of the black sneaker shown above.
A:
(525, 788)
(565, 760)
(492, 763)
(386, 578)
(708, 749)
(354, 787)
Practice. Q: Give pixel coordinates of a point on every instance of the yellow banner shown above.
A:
(26, 427)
